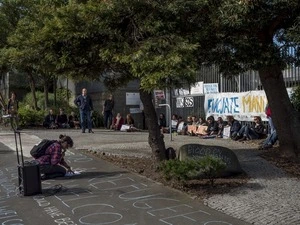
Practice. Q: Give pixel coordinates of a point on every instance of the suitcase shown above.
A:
(29, 176)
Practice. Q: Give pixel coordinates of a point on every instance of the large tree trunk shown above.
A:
(285, 117)
(46, 93)
(54, 90)
(155, 138)
(33, 89)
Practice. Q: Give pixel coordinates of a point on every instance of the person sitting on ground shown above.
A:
(73, 121)
(174, 123)
(255, 131)
(195, 120)
(221, 125)
(162, 122)
(62, 119)
(130, 122)
(49, 121)
(202, 122)
(52, 163)
(212, 128)
(181, 126)
(117, 122)
(192, 128)
(270, 141)
(235, 126)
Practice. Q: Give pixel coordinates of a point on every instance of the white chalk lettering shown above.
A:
(145, 203)
(42, 202)
(64, 221)
(6, 213)
(53, 211)
(13, 222)
(184, 216)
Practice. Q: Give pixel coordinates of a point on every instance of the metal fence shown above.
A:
(247, 81)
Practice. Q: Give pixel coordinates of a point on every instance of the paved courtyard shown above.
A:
(270, 197)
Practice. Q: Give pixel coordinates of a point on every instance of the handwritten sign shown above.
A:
(211, 88)
(243, 106)
(197, 88)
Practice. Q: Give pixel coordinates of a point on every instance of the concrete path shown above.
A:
(101, 194)
(271, 196)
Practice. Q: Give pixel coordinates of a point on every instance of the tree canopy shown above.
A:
(161, 43)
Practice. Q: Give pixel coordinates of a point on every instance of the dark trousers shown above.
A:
(52, 171)
(85, 119)
(107, 118)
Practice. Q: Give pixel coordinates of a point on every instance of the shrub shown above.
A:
(179, 170)
(211, 167)
(29, 116)
(61, 100)
(97, 119)
(295, 98)
(207, 167)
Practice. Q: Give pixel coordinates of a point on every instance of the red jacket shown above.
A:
(121, 122)
(268, 111)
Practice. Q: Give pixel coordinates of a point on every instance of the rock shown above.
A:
(228, 156)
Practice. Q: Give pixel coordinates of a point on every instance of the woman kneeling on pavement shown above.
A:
(52, 163)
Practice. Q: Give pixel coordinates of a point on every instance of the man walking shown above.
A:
(85, 104)
(108, 111)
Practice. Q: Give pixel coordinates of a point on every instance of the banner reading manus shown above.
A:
(243, 106)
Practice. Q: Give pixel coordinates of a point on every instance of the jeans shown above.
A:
(85, 119)
(246, 131)
(52, 171)
(271, 127)
(250, 133)
(271, 139)
(107, 118)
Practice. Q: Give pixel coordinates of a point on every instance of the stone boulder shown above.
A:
(228, 156)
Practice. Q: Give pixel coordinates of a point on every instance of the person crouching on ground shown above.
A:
(52, 163)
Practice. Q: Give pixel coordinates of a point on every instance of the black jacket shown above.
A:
(84, 102)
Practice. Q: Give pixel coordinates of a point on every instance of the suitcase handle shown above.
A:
(17, 148)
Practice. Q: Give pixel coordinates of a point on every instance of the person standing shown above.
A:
(12, 109)
(271, 127)
(107, 111)
(85, 104)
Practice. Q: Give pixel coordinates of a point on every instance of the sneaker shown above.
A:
(236, 138)
(83, 131)
(268, 146)
(90, 131)
(244, 138)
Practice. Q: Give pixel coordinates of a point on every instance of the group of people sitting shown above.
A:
(194, 126)
(121, 124)
(211, 128)
(53, 121)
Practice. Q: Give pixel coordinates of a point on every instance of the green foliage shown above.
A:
(295, 98)
(29, 116)
(211, 167)
(97, 119)
(179, 170)
(61, 101)
(28, 101)
(207, 166)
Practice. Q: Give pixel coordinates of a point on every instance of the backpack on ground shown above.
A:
(40, 148)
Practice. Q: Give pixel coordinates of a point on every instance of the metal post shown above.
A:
(170, 119)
